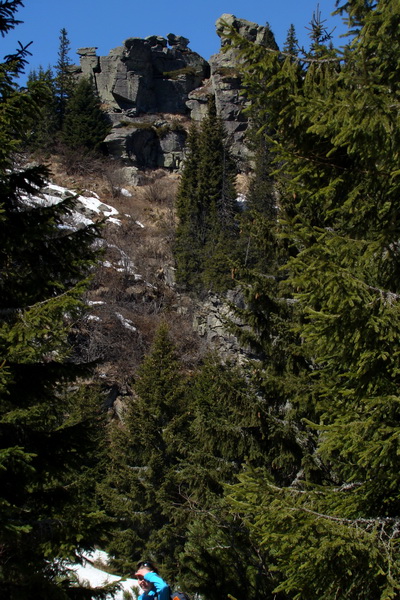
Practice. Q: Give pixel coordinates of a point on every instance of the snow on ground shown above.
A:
(97, 578)
(86, 206)
(127, 323)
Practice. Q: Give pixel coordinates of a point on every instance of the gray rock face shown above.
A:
(151, 75)
(146, 142)
(210, 321)
(226, 83)
(251, 31)
(226, 80)
(145, 78)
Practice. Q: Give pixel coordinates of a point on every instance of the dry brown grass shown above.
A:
(141, 248)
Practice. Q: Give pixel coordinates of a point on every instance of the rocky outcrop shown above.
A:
(147, 142)
(139, 81)
(145, 82)
(226, 80)
(258, 34)
(211, 321)
(151, 75)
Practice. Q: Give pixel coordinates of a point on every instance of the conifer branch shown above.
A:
(10, 311)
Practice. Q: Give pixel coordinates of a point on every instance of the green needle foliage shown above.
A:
(333, 123)
(85, 125)
(44, 130)
(144, 457)
(224, 432)
(206, 208)
(64, 81)
(188, 241)
(48, 439)
(182, 438)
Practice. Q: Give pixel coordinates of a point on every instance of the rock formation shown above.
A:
(153, 87)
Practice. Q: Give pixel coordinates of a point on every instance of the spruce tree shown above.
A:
(181, 440)
(188, 243)
(258, 219)
(291, 45)
(47, 430)
(224, 433)
(43, 134)
(144, 457)
(336, 141)
(207, 209)
(64, 81)
(85, 125)
(217, 195)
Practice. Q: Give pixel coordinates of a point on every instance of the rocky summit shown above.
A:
(152, 88)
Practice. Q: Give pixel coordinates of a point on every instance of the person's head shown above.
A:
(144, 567)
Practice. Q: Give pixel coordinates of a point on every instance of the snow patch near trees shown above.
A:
(87, 573)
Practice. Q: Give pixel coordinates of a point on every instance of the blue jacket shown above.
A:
(160, 589)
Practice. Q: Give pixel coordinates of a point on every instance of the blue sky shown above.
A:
(107, 23)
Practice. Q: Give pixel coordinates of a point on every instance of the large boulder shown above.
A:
(147, 142)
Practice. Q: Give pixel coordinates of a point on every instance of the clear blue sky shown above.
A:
(107, 23)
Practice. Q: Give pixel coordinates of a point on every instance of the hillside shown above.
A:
(133, 289)
(200, 368)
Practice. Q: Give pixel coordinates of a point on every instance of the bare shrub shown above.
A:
(79, 161)
(161, 189)
(156, 192)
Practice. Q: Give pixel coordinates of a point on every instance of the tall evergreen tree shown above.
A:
(207, 208)
(85, 124)
(64, 81)
(224, 432)
(144, 456)
(47, 432)
(182, 438)
(44, 129)
(188, 242)
(336, 142)
(291, 45)
(258, 219)
(217, 195)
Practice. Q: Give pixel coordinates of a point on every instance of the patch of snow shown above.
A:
(49, 200)
(113, 220)
(125, 192)
(140, 224)
(94, 302)
(97, 555)
(78, 219)
(89, 574)
(54, 194)
(127, 323)
(97, 206)
(57, 188)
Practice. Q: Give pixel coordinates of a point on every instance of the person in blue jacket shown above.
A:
(153, 586)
